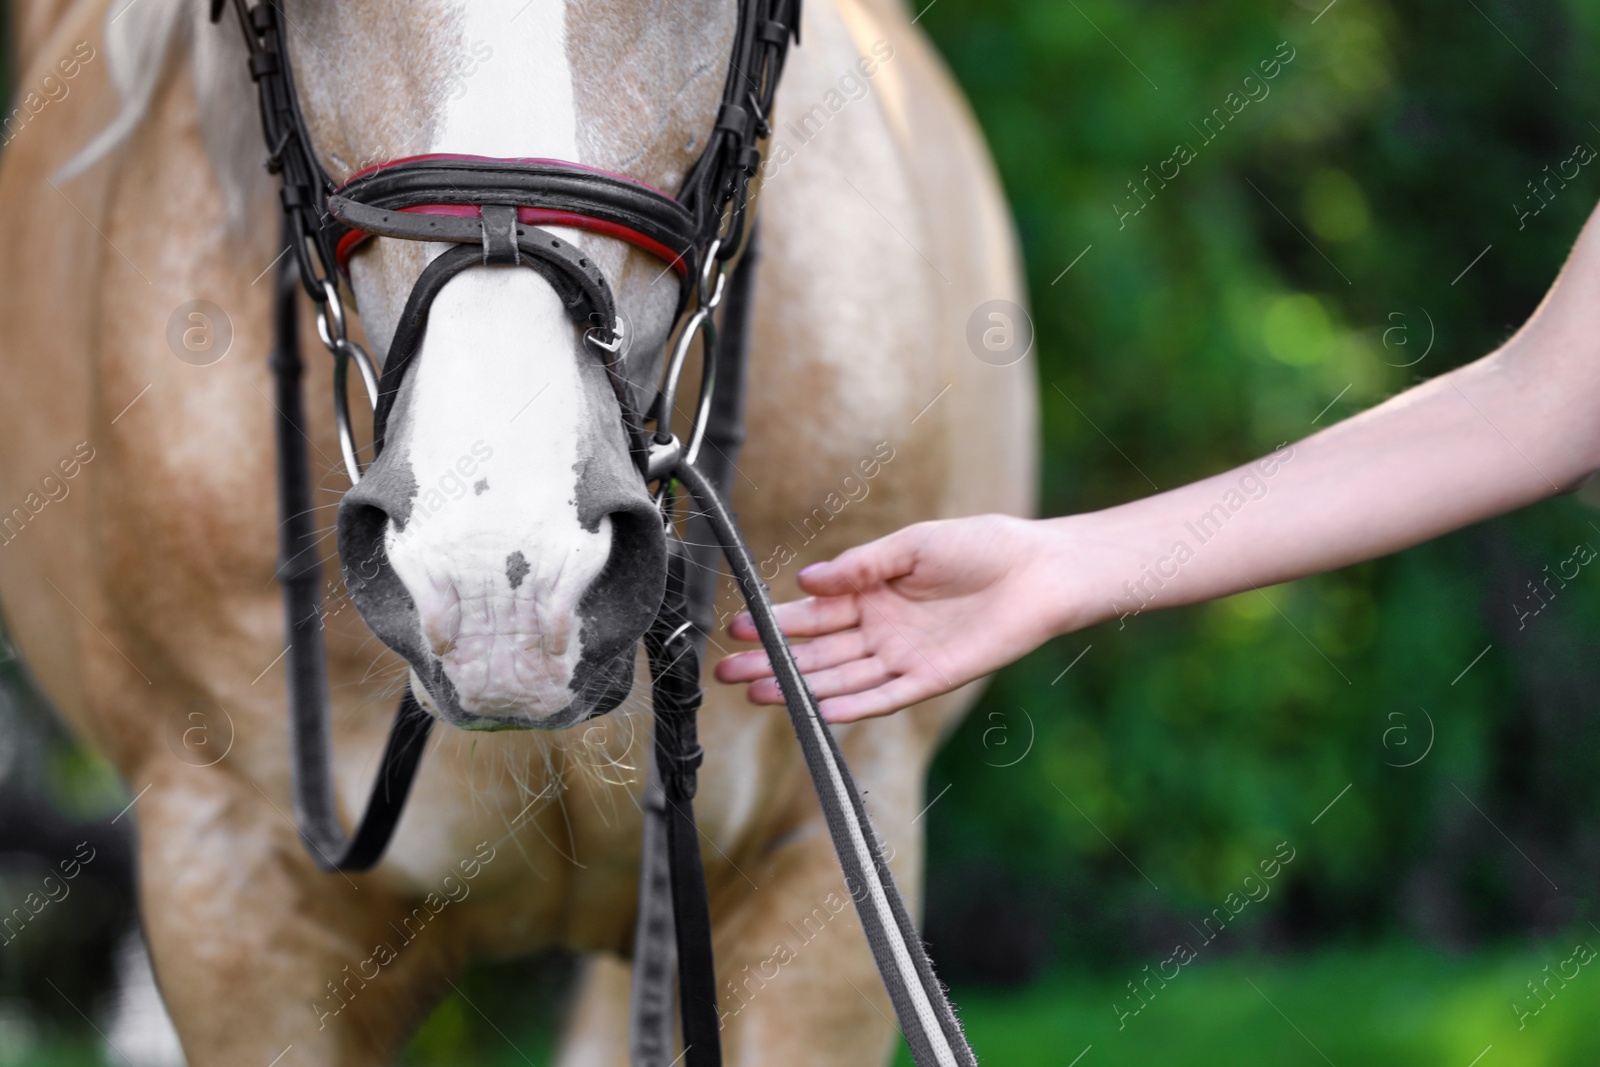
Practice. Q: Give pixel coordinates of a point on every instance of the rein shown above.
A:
(492, 213)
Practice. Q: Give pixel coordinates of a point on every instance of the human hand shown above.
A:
(912, 615)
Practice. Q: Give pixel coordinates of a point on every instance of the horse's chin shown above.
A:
(595, 691)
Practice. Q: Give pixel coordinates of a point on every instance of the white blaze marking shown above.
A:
(497, 338)
(518, 101)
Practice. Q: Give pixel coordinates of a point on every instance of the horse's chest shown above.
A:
(561, 823)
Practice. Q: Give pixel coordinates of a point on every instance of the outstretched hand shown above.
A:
(911, 615)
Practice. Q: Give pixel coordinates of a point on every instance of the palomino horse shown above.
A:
(137, 564)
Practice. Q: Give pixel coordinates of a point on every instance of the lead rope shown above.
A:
(927, 1020)
(650, 1032)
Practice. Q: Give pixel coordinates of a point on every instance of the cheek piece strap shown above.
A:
(494, 213)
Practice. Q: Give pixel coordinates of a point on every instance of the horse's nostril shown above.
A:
(624, 597)
(377, 591)
(361, 532)
(621, 603)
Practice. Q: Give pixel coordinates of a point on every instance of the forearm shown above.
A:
(938, 604)
(1510, 429)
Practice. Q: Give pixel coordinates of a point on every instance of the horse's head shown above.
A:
(504, 542)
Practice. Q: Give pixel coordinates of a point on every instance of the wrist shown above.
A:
(1082, 562)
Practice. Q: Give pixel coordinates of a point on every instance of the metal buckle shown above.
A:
(662, 459)
(592, 334)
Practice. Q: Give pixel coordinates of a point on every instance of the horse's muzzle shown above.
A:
(504, 634)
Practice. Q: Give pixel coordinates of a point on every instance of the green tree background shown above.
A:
(1293, 274)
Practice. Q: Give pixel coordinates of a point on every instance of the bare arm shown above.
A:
(939, 604)
(1517, 426)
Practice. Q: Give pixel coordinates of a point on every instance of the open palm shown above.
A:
(909, 616)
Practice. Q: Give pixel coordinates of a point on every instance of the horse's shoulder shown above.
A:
(44, 31)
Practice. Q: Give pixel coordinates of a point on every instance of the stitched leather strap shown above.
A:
(583, 292)
(290, 155)
(300, 572)
(675, 689)
(650, 1030)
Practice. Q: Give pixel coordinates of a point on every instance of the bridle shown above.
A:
(500, 205)
(492, 212)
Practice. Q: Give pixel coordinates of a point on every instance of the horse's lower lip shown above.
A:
(483, 724)
(507, 674)
(480, 722)
(596, 687)
(509, 717)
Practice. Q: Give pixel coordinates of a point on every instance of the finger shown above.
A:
(743, 667)
(868, 564)
(850, 676)
(765, 691)
(816, 655)
(812, 617)
(823, 653)
(853, 676)
(885, 699)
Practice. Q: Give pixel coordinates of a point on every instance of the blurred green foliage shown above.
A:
(1394, 1006)
(1398, 1006)
(497, 1014)
(1355, 217)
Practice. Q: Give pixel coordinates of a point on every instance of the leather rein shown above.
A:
(492, 213)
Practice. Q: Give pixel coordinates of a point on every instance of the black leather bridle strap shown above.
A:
(675, 692)
(578, 283)
(650, 1037)
(300, 573)
(578, 279)
(290, 155)
(717, 189)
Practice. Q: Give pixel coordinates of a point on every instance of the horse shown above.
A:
(138, 525)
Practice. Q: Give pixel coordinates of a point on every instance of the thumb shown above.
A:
(863, 566)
